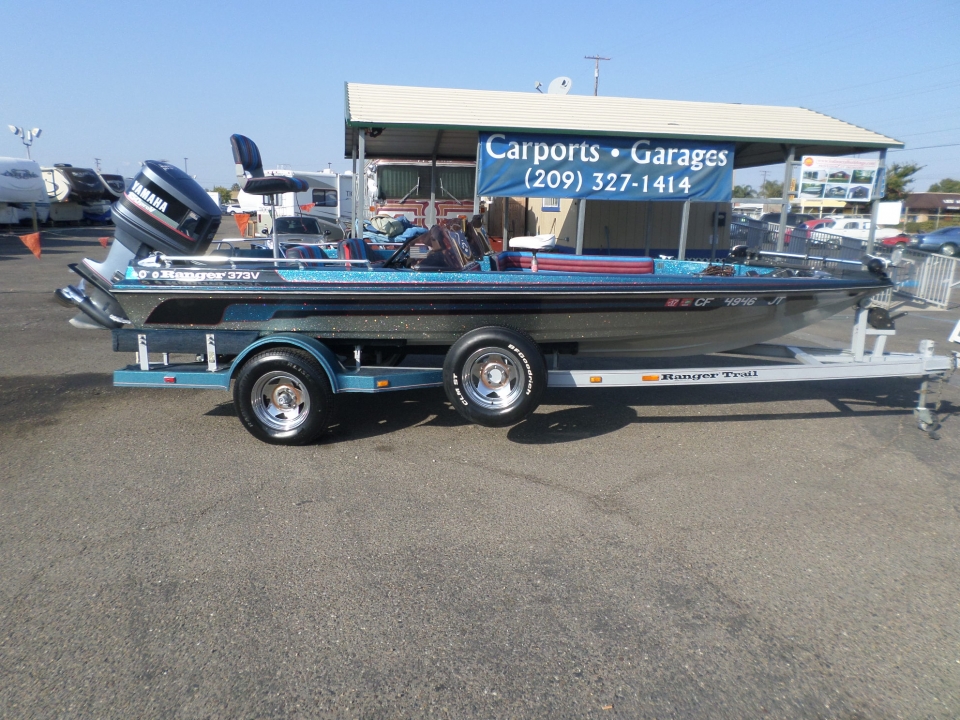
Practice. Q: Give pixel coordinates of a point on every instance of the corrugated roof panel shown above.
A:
(415, 107)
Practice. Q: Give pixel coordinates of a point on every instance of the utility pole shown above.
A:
(596, 70)
(185, 165)
(97, 161)
(763, 178)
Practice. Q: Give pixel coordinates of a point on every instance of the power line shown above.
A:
(925, 147)
(931, 132)
(886, 97)
(885, 80)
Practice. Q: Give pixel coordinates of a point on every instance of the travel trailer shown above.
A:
(402, 187)
(328, 199)
(76, 193)
(21, 187)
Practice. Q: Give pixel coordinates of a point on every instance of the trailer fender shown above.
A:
(324, 355)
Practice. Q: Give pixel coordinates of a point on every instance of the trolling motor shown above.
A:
(165, 210)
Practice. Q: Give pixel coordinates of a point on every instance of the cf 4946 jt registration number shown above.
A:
(744, 301)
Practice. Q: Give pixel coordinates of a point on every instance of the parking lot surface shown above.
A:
(782, 551)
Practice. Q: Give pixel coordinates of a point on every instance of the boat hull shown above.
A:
(648, 318)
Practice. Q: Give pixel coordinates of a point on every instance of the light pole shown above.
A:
(26, 136)
(185, 165)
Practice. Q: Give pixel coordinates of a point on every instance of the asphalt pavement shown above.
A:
(783, 551)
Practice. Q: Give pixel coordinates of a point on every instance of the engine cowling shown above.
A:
(166, 210)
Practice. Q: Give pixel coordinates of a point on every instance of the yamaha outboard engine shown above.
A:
(166, 211)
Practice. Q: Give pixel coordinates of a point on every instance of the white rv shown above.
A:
(328, 199)
(21, 185)
(75, 193)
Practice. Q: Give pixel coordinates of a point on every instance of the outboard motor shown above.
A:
(166, 211)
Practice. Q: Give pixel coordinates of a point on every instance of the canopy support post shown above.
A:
(506, 218)
(715, 239)
(649, 225)
(476, 178)
(354, 212)
(362, 181)
(581, 219)
(432, 210)
(785, 208)
(875, 205)
(684, 225)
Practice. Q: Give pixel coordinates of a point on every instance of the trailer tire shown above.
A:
(283, 397)
(494, 376)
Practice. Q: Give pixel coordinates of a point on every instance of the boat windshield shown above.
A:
(298, 225)
(436, 249)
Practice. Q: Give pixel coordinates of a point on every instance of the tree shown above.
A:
(224, 193)
(744, 191)
(947, 185)
(899, 178)
(771, 189)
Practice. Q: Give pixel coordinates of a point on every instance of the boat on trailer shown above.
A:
(295, 330)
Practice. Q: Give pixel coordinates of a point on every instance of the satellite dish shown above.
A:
(559, 86)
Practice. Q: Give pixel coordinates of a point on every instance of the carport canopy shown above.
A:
(423, 123)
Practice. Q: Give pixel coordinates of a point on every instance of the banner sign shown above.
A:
(837, 178)
(603, 168)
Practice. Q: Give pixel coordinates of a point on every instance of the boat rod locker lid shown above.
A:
(166, 210)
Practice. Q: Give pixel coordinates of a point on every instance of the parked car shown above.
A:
(945, 241)
(900, 240)
(804, 229)
(793, 219)
(231, 209)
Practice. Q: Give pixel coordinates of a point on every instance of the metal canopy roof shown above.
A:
(410, 122)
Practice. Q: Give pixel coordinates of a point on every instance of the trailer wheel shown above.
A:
(494, 376)
(283, 397)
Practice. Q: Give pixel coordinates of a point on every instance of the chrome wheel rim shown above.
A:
(494, 378)
(280, 401)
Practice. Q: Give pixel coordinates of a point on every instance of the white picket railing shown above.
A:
(924, 276)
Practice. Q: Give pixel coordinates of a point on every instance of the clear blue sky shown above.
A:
(128, 81)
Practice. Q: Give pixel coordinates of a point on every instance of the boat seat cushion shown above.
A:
(533, 242)
(274, 185)
(352, 249)
(306, 252)
(576, 263)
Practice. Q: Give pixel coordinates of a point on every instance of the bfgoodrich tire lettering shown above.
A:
(494, 376)
(283, 397)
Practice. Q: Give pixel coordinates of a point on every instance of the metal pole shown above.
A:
(362, 167)
(875, 206)
(506, 217)
(273, 227)
(716, 232)
(581, 219)
(684, 223)
(785, 208)
(33, 211)
(476, 178)
(646, 233)
(432, 209)
(353, 208)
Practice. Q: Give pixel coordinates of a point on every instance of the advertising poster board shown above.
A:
(837, 178)
(604, 168)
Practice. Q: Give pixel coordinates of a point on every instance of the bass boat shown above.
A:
(438, 286)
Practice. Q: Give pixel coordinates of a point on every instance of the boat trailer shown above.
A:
(784, 363)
